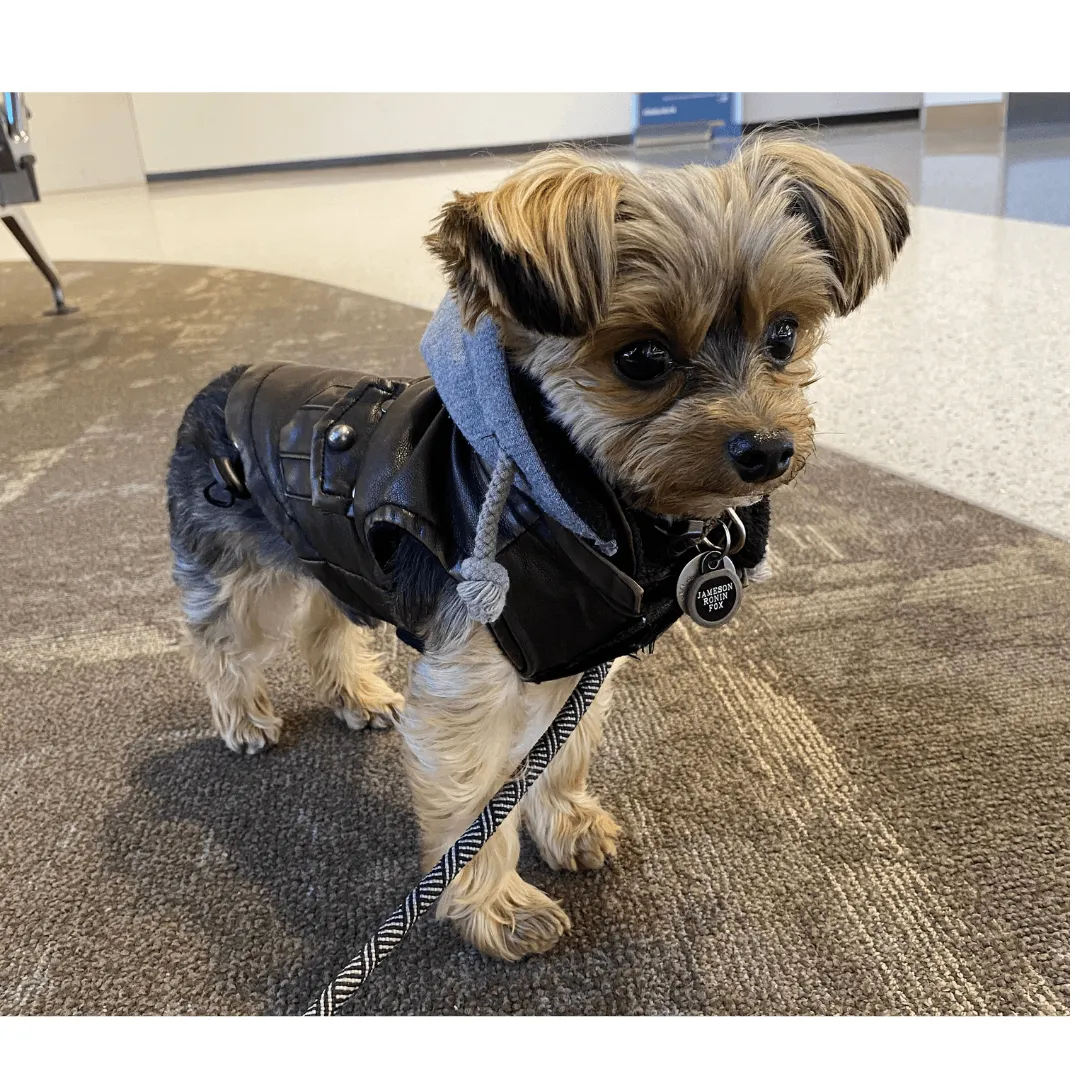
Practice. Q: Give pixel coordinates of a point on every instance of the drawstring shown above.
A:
(484, 582)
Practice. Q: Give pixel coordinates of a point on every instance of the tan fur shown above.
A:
(229, 651)
(257, 613)
(344, 667)
(864, 211)
(571, 829)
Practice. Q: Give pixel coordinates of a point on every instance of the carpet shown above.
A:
(853, 800)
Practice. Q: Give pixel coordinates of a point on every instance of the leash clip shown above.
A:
(705, 544)
(696, 536)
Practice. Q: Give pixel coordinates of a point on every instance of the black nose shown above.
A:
(761, 455)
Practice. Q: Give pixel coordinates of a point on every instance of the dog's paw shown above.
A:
(518, 923)
(250, 735)
(582, 838)
(535, 929)
(378, 708)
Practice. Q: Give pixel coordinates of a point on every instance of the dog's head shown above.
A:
(671, 316)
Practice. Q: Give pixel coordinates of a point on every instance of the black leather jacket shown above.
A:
(396, 464)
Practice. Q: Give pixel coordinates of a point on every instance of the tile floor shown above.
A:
(955, 374)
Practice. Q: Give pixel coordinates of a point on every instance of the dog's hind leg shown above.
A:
(236, 623)
(344, 666)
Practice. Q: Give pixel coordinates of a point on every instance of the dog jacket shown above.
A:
(344, 465)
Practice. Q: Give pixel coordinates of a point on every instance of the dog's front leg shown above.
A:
(467, 721)
(570, 827)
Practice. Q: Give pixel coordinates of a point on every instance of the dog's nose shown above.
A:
(761, 455)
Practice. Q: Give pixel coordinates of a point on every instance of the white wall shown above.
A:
(761, 108)
(182, 132)
(84, 141)
(961, 99)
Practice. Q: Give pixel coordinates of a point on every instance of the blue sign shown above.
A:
(709, 110)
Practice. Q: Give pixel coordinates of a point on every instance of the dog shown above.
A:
(659, 327)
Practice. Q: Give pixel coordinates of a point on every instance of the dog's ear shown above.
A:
(539, 249)
(857, 214)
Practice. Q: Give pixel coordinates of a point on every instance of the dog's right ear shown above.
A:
(539, 249)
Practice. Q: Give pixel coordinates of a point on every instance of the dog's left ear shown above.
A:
(859, 215)
(539, 249)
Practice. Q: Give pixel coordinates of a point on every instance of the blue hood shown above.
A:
(473, 381)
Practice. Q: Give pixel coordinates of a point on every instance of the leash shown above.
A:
(390, 934)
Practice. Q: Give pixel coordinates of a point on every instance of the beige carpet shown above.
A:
(854, 800)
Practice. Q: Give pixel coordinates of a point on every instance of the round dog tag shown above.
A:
(709, 590)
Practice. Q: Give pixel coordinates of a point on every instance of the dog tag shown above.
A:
(709, 590)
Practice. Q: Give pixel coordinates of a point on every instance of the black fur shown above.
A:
(809, 203)
(804, 204)
(531, 301)
(420, 584)
(897, 223)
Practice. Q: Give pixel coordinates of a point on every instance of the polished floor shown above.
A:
(954, 375)
(1020, 173)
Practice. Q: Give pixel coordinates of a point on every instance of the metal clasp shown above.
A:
(229, 478)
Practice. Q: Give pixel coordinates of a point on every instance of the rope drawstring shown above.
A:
(484, 582)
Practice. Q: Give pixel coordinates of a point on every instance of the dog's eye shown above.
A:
(643, 363)
(780, 339)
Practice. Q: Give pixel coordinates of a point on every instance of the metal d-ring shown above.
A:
(740, 529)
(705, 544)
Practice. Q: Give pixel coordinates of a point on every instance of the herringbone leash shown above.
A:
(433, 884)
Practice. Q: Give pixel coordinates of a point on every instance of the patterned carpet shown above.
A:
(854, 800)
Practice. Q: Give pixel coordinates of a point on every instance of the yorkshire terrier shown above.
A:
(659, 329)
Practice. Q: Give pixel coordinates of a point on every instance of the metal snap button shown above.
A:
(341, 437)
